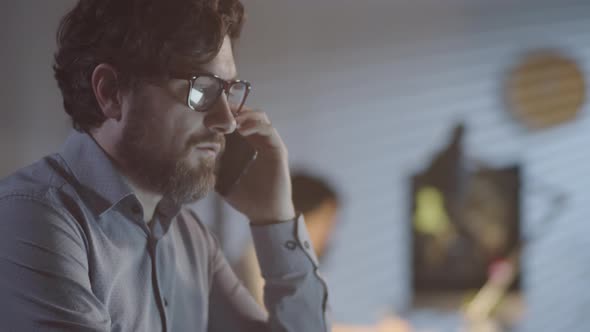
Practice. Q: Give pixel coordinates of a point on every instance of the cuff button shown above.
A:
(291, 245)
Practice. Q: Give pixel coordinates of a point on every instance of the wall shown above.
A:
(32, 121)
(365, 92)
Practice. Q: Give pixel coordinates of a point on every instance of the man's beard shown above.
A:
(166, 172)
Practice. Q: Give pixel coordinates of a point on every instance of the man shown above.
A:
(94, 238)
(320, 204)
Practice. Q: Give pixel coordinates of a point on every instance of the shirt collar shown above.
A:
(101, 184)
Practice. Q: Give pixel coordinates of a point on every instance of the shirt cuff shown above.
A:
(283, 248)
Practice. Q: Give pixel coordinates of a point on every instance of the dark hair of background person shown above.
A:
(144, 40)
(309, 192)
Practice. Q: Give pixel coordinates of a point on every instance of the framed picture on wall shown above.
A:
(460, 229)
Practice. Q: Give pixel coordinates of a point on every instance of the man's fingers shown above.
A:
(251, 115)
(252, 122)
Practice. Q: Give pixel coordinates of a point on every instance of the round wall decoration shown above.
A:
(546, 89)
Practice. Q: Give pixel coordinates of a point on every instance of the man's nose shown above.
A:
(220, 118)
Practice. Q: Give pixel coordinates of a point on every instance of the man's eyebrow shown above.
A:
(203, 71)
(200, 71)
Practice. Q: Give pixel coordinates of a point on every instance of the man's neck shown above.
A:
(148, 200)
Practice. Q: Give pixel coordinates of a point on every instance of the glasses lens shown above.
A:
(204, 92)
(236, 95)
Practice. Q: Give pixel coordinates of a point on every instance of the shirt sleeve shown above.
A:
(295, 295)
(44, 283)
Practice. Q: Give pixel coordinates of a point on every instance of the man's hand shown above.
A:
(263, 193)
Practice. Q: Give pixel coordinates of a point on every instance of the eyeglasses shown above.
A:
(205, 89)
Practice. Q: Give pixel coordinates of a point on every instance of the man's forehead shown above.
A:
(223, 65)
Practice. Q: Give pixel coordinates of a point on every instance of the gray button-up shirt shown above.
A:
(76, 255)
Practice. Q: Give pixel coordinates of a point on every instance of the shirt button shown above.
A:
(291, 245)
(306, 245)
(165, 302)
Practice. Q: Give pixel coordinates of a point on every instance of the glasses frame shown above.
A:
(226, 86)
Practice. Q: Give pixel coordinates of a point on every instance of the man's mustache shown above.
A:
(213, 138)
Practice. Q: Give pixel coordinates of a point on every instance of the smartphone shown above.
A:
(234, 162)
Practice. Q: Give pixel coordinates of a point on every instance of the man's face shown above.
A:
(168, 148)
(320, 225)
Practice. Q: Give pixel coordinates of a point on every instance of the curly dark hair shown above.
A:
(309, 192)
(142, 39)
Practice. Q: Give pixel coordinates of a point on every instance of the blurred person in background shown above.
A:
(320, 204)
(96, 237)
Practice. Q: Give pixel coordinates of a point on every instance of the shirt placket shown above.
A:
(161, 301)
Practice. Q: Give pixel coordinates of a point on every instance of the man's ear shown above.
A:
(106, 87)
